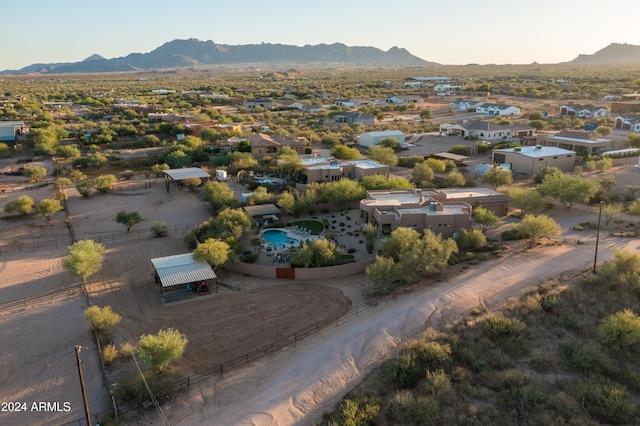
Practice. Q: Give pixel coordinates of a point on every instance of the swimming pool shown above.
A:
(275, 238)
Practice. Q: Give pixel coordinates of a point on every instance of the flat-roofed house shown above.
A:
(330, 169)
(418, 209)
(484, 130)
(530, 159)
(581, 141)
(370, 139)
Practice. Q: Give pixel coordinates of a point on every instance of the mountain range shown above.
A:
(612, 54)
(196, 53)
(193, 53)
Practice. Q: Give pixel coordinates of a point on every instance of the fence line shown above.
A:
(48, 297)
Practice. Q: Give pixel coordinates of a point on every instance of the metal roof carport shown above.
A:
(176, 175)
(175, 272)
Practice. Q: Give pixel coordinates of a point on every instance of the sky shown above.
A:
(451, 32)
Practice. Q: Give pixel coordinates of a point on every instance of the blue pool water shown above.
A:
(275, 237)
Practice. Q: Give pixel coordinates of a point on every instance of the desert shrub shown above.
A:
(506, 333)
(127, 174)
(351, 250)
(511, 235)
(469, 239)
(134, 391)
(585, 358)
(159, 229)
(109, 353)
(358, 411)
(249, 257)
(606, 401)
(127, 350)
(406, 408)
(484, 257)
(438, 385)
(403, 371)
(431, 354)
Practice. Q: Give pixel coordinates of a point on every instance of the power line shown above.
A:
(151, 395)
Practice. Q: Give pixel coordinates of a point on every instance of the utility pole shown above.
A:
(84, 392)
(595, 256)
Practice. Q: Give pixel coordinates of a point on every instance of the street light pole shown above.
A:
(84, 391)
(595, 256)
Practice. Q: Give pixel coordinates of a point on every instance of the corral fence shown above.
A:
(264, 351)
(49, 298)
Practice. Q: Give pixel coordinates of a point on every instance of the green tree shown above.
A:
(470, 239)
(48, 207)
(382, 273)
(22, 205)
(34, 173)
(497, 176)
(634, 210)
(454, 179)
(101, 318)
(611, 211)
(370, 232)
(535, 227)
(287, 202)
(316, 254)
(621, 330)
(383, 155)
(158, 169)
(526, 199)
(67, 151)
(103, 183)
(214, 251)
(391, 143)
(634, 140)
(192, 183)
(426, 114)
(342, 191)
(97, 160)
(218, 195)
(128, 219)
(378, 181)
(84, 258)
(567, 189)
(538, 124)
(85, 187)
(604, 130)
(177, 159)
(244, 146)
(162, 348)
(485, 218)
(535, 115)
(438, 166)
(343, 152)
(422, 175)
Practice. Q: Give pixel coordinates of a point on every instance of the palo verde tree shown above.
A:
(214, 251)
(101, 318)
(23, 205)
(567, 189)
(485, 218)
(497, 176)
(128, 219)
(34, 173)
(218, 195)
(528, 200)
(84, 258)
(162, 348)
(48, 207)
(535, 227)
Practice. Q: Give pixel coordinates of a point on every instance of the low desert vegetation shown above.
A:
(565, 353)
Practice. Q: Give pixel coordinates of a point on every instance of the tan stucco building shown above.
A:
(529, 160)
(329, 169)
(442, 211)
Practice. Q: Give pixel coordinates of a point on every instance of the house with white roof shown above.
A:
(629, 122)
(497, 109)
(529, 160)
(370, 139)
(484, 130)
(461, 105)
(583, 111)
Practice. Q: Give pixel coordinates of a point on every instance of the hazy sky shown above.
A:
(443, 31)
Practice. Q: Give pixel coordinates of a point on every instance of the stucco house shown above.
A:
(353, 118)
(263, 144)
(318, 169)
(529, 160)
(406, 99)
(583, 111)
(484, 130)
(581, 141)
(251, 104)
(462, 105)
(497, 109)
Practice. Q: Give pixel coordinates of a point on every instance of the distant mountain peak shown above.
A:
(611, 54)
(94, 57)
(192, 52)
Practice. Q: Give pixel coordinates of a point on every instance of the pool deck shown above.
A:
(292, 234)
